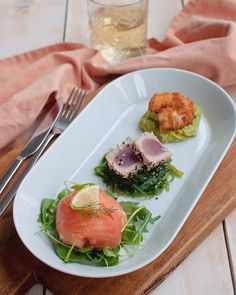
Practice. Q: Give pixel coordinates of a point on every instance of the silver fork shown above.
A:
(67, 114)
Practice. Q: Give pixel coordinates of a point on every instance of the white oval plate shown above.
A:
(112, 116)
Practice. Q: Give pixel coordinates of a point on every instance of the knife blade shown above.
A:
(33, 145)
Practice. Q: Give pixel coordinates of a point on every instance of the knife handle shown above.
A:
(10, 172)
(6, 200)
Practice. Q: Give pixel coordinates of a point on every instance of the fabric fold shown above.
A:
(202, 39)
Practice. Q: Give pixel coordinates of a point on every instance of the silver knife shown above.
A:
(6, 200)
(33, 145)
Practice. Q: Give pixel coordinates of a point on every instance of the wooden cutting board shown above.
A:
(20, 270)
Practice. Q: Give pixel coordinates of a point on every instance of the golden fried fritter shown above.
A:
(174, 110)
(160, 100)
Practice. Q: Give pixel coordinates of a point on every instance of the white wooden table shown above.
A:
(28, 24)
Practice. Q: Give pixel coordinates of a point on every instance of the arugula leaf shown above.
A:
(109, 252)
(93, 257)
(130, 236)
(78, 187)
(129, 207)
(43, 210)
(46, 212)
(63, 193)
(134, 228)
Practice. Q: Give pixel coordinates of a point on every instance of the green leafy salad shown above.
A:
(138, 219)
(145, 183)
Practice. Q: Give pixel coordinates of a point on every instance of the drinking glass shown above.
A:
(118, 28)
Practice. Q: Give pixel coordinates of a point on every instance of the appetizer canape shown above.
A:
(172, 117)
(139, 167)
(88, 226)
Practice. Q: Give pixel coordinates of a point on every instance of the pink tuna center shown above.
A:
(152, 147)
(126, 157)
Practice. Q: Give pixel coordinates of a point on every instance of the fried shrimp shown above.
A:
(160, 100)
(174, 110)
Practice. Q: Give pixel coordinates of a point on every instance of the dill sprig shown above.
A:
(92, 209)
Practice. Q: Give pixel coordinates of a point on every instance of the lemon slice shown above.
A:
(87, 195)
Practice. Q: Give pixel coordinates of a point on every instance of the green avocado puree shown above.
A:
(148, 123)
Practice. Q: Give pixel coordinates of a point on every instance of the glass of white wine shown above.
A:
(118, 28)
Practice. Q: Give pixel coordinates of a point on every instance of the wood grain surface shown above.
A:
(26, 25)
(19, 270)
(205, 271)
(230, 230)
(22, 29)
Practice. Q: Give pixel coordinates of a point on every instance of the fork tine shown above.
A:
(68, 102)
(75, 96)
(71, 105)
(78, 104)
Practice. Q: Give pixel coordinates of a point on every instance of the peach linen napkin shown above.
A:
(202, 39)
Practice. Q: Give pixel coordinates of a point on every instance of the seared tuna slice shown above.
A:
(149, 148)
(123, 160)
